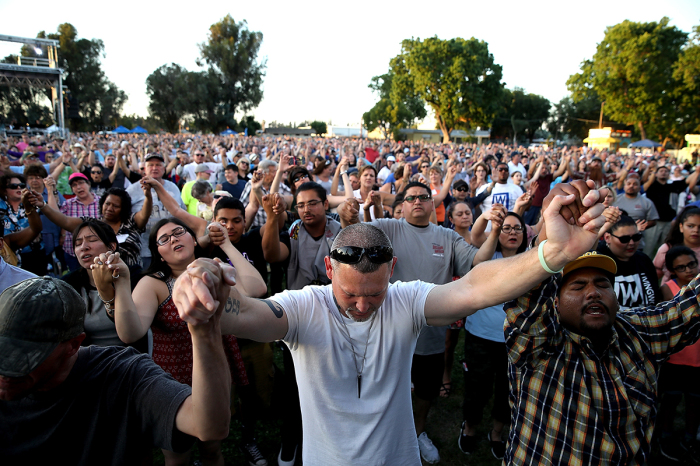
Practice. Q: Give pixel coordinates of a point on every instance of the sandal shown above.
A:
(445, 389)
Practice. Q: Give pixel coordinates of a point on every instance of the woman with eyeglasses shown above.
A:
(685, 231)
(485, 355)
(636, 283)
(681, 372)
(173, 246)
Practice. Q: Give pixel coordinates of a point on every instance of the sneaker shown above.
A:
(253, 455)
(287, 456)
(427, 450)
(498, 447)
(692, 450)
(670, 448)
(466, 443)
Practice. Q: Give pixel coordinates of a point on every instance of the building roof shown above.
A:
(289, 131)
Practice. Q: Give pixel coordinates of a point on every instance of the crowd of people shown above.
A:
(570, 270)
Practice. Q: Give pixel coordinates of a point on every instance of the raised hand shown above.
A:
(200, 293)
(217, 234)
(642, 224)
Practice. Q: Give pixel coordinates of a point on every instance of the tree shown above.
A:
(632, 71)
(574, 118)
(319, 127)
(166, 89)
(520, 113)
(20, 106)
(249, 123)
(391, 113)
(686, 72)
(457, 78)
(231, 53)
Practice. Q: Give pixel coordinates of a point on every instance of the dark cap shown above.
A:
(154, 155)
(35, 316)
(460, 184)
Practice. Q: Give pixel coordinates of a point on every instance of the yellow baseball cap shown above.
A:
(591, 259)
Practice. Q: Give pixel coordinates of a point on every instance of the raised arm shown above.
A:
(450, 302)
(198, 225)
(197, 300)
(273, 249)
(250, 283)
(141, 217)
(56, 216)
(206, 414)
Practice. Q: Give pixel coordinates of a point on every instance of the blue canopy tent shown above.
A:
(139, 130)
(121, 130)
(228, 132)
(646, 143)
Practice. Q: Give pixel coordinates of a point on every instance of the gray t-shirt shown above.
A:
(638, 208)
(433, 254)
(114, 406)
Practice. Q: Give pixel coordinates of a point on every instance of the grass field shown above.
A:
(443, 429)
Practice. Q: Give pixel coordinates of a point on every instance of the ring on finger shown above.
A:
(115, 276)
(99, 263)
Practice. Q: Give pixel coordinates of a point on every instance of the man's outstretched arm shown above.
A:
(498, 281)
(198, 298)
(206, 414)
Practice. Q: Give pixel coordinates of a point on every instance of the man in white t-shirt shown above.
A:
(516, 165)
(503, 193)
(188, 172)
(352, 341)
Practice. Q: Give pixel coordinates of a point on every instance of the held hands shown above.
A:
(269, 202)
(349, 211)
(107, 269)
(497, 215)
(373, 198)
(31, 197)
(217, 234)
(201, 292)
(573, 216)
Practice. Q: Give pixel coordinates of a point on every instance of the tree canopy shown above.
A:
(391, 114)
(93, 100)
(231, 83)
(457, 78)
(633, 72)
(520, 113)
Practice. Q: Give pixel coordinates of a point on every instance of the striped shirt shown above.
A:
(74, 208)
(570, 406)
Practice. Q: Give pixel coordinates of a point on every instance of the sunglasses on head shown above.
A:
(626, 238)
(353, 254)
(16, 186)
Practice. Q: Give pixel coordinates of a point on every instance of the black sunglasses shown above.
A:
(16, 185)
(353, 254)
(626, 238)
(461, 189)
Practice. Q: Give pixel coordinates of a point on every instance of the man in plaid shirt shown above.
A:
(583, 376)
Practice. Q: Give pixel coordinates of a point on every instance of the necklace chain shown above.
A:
(359, 371)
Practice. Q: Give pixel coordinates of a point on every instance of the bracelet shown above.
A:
(540, 254)
(107, 302)
(344, 173)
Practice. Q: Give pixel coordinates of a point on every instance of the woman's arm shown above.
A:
(142, 216)
(198, 225)
(248, 279)
(52, 213)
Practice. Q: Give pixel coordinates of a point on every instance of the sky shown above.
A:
(321, 57)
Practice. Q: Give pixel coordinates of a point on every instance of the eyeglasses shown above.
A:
(16, 186)
(421, 197)
(626, 238)
(198, 155)
(425, 166)
(300, 177)
(302, 206)
(165, 239)
(96, 172)
(508, 228)
(461, 189)
(353, 254)
(689, 266)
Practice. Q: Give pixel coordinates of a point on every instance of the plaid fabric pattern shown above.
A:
(260, 216)
(74, 208)
(571, 406)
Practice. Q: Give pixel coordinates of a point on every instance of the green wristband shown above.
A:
(540, 254)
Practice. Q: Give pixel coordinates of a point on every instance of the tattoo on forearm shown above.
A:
(274, 307)
(233, 306)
